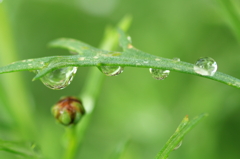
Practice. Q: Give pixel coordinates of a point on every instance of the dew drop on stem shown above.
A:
(60, 78)
(159, 74)
(205, 66)
(111, 70)
(179, 145)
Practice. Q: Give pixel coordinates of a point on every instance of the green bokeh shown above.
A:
(134, 105)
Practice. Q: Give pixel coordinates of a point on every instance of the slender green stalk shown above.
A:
(91, 92)
(91, 56)
(15, 92)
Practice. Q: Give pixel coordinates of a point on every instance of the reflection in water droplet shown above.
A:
(60, 78)
(111, 70)
(176, 59)
(179, 145)
(205, 66)
(159, 74)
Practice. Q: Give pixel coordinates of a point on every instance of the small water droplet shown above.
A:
(176, 59)
(159, 74)
(111, 70)
(59, 78)
(179, 145)
(129, 39)
(205, 66)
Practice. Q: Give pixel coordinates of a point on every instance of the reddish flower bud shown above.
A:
(69, 110)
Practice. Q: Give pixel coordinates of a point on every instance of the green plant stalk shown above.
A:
(91, 56)
(92, 90)
(20, 110)
(231, 16)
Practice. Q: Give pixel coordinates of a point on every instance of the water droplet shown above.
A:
(159, 74)
(179, 145)
(205, 66)
(60, 78)
(129, 39)
(176, 59)
(111, 70)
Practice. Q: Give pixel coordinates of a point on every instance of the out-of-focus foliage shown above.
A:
(133, 104)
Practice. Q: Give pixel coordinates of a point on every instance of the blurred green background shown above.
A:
(134, 105)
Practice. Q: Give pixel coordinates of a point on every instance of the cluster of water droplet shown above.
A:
(61, 78)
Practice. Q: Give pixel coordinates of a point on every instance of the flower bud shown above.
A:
(69, 110)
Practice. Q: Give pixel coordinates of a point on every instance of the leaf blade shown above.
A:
(184, 127)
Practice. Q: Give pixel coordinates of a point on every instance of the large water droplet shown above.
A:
(205, 66)
(111, 70)
(159, 74)
(179, 145)
(59, 78)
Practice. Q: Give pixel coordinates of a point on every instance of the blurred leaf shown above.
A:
(120, 149)
(90, 56)
(19, 148)
(176, 139)
(232, 16)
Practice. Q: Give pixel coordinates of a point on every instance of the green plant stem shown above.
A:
(92, 90)
(15, 92)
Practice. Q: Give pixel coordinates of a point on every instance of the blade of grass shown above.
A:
(184, 127)
(18, 148)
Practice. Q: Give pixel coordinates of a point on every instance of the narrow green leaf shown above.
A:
(18, 148)
(184, 127)
(90, 56)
